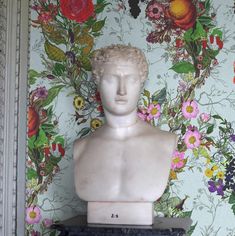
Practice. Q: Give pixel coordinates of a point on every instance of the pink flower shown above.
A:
(192, 139)
(199, 66)
(200, 58)
(142, 114)
(190, 109)
(45, 17)
(205, 117)
(154, 111)
(47, 222)
(177, 160)
(154, 10)
(33, 215)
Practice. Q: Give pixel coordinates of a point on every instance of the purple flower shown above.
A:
(182, 86)
(35, 233)
(232, 137)
(216, 186)
(41, 92)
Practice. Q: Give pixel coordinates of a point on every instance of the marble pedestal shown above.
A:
(125, 213)
(78, 226)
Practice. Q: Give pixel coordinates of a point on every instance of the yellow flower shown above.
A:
(209, 173)
(96, 123)
(220, 175)
(78, 102)
(215, 167)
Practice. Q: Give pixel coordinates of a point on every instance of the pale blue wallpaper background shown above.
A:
(64, 105)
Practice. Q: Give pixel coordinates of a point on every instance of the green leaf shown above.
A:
(183, 67)
(58, 69)
(192, 228)
(207, 5)
(199, 32)
(210, 129)
(48, 128)
(31, 141)
(86, 64)
(209, 139)
(98, 25)
(212, 53)
(59, 139)
(205, 20)
(204, 152)
(145, 103)
(32, 76)
(233, 208)
(187, 35)
(187, 214)
(232, 198)
(41, 139)
(54, 53)
(146, 93)
(99, 7)
(195, 152)
(217, 117)
(159, 96)
(183, 129)
(52, 93)
(31, 174)
(53, 233)
(218, 32)
(174, 201)
(84, 132)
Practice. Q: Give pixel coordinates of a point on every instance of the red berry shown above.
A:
(234, 79)
(217, 39)
(204, 43)
(220, 44)
(211, 39)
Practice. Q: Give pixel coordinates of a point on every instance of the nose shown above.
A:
(121, 87)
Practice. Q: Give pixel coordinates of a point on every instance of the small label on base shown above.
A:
(131, 213)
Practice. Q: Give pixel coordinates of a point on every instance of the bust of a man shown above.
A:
(123, 167)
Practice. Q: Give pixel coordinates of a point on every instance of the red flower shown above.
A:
(183, 13)
(33, 121)
(179, 43)
(77, 10)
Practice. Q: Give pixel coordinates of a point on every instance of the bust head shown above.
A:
(114, 53)
(119, 72)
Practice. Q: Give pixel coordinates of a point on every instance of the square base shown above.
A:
(125, 213)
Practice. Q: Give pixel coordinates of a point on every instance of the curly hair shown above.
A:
(114, 53)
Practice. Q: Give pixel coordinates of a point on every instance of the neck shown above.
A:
(123, 121)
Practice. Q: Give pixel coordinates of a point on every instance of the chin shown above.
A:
(121, 111)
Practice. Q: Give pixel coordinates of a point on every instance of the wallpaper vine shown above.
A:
(190, 91)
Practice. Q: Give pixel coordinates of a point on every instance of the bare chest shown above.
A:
(119, 166)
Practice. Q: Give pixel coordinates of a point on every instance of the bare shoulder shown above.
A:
(79, 146)
(164, 137)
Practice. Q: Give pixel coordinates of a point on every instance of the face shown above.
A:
(120, 87)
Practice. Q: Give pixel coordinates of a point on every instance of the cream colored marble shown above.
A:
(126, 160)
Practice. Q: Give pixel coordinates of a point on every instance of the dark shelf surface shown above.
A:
(162, 226)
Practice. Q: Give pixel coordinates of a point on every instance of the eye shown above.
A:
(133, 78)
(110, 78)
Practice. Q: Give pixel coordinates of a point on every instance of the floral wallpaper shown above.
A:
(190, 46)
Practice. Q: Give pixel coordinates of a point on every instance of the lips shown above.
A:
(121, 100)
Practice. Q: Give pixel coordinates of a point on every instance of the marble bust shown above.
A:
(123, 167)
